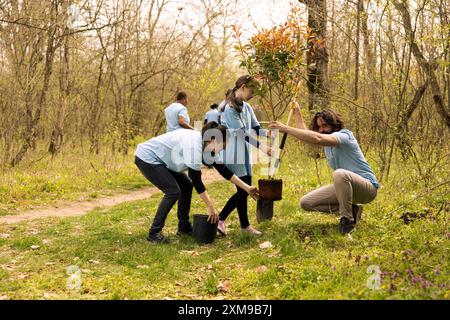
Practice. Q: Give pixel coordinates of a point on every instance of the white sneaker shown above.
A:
(252, 230)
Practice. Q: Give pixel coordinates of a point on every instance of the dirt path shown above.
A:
(82, 208)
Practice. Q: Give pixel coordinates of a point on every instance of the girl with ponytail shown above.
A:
(239, 117)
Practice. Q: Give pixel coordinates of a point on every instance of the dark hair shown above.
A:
(332, 118)
(247, 81)
(216, 128)
(214, 106)
(181, 95)
(229, 91)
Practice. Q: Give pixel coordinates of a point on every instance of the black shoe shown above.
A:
(357, 212)
(187, 232)
(345, 225)
(157, 238)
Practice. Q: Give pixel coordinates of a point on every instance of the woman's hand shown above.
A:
(276, 125)
(213, 216)
(253, 192)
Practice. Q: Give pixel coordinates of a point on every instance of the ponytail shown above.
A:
(234, 102)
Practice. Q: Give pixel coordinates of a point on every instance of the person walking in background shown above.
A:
(213, 114)
(176, 114)
(353, 179)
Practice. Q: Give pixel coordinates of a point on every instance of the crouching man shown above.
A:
(353, 180)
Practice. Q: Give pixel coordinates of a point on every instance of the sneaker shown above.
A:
(345, 225)
(184, 232)
(252, 230)
(221, 228)
(157, 238)
(357, 212)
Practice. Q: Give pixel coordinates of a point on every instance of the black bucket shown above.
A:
(203, 231)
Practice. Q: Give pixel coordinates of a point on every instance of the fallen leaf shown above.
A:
(349, 236)
(143, 267)
(48, 295)
(265, 245)
(225, 286)
(35, 247)
(192, 296)
(5, 297)
(192, 253)
(262, 269)
(210, 267)
(45, 241)
(94, 261)
(4, 235)
(179, 284)
(199, 278)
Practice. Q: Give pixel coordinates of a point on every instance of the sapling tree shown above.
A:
(276, 58)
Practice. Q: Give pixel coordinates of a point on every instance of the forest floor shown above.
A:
(80, 208)
(399, 250)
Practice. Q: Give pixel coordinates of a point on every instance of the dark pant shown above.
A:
(176, 186)
(239, 201)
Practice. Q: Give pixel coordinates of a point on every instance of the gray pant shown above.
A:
(347, 189)
(176, 186)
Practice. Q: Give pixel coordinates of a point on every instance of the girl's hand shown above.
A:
(277, 126)
(213, 216)
(253, 192)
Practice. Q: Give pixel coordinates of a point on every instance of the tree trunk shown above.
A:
(56, 139)
(30, 138)
(317, 55)
(405, 116)
(438, 98)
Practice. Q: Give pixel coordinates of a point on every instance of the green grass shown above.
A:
(308, 259)
(70, 177)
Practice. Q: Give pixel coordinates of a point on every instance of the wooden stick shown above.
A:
(280, 150)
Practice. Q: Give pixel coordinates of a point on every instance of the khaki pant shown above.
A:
(348, 188)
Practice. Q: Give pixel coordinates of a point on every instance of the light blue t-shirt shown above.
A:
(177, 150)
(348, 156)
(172, 113)
(212, 115)
(237, 155)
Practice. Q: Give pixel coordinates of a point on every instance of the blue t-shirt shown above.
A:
(172, 113)
(348, 156)
(237, 155)
(212, 115)
(177, 150)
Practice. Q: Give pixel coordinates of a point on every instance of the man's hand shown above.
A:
(213, 217)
